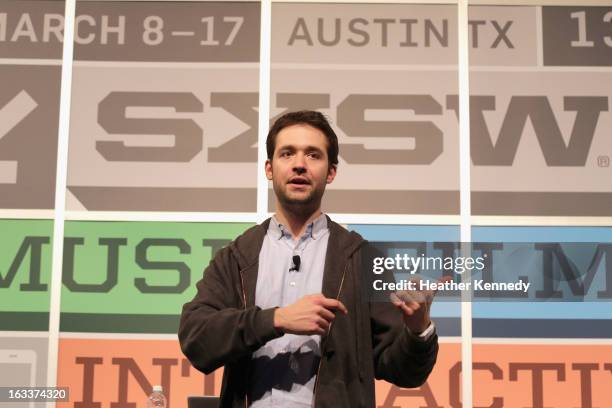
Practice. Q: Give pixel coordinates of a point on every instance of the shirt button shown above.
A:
(291, 283)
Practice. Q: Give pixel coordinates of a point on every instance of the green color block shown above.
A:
(25, 267)
(136, 268)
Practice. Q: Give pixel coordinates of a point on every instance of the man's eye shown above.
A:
(285, 154)
(314, 155)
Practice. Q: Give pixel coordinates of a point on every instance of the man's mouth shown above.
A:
(299, 181)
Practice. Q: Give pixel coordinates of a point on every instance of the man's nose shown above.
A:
(299, 163)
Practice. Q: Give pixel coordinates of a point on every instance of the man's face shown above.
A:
(299, 169)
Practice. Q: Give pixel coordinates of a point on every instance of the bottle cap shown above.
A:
(157, 388)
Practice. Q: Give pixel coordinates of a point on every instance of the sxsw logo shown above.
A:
(487, 149)
(218, 132)
(202, 151)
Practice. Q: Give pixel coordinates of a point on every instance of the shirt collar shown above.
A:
(314, 229)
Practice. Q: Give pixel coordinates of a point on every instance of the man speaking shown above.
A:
(281, 306)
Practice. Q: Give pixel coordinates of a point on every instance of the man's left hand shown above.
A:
(415, 306)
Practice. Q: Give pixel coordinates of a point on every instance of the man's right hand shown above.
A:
(312, 314)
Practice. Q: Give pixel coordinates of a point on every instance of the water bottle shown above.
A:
(157, 399)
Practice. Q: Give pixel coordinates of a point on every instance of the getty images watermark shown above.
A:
(490, 271)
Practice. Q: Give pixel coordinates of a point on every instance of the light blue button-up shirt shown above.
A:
(284, 369)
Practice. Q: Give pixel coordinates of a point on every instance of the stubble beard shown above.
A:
(303, 207)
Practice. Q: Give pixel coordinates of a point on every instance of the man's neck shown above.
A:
(295, 222)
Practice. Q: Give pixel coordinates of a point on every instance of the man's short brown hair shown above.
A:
(306, 117)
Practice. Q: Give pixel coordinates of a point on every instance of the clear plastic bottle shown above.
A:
(157, 398)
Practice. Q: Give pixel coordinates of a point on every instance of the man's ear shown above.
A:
(269, 169)
(331, 173)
